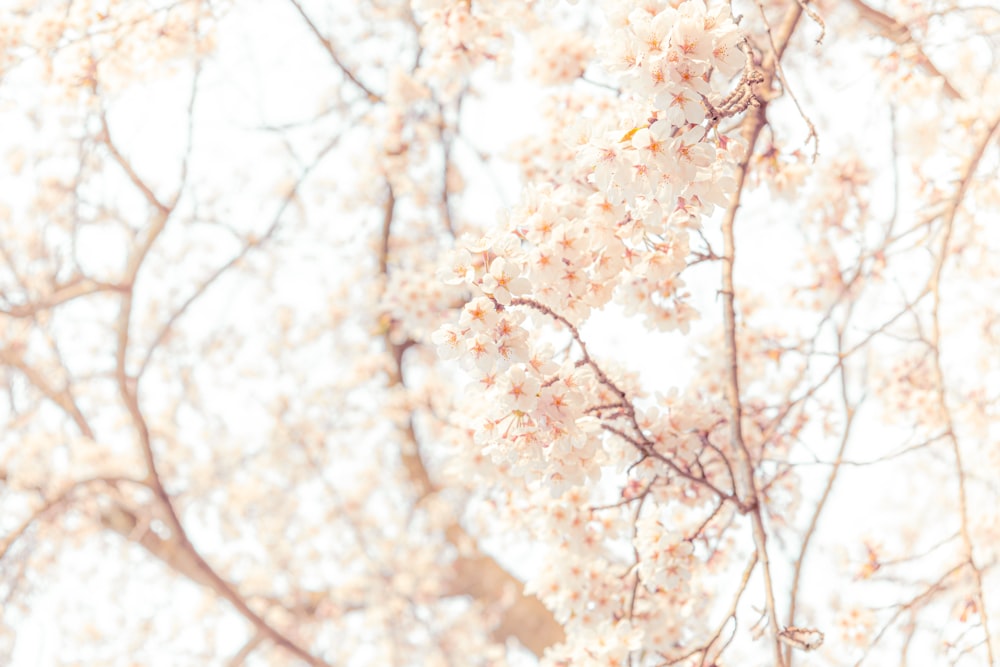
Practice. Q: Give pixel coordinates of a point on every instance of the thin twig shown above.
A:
(60, 498)
(942, 402)
(849, 414)
(328, 46)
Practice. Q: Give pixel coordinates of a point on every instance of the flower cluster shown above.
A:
(560, 57)
(537, 422)
(460, 36)
(677, 62)
(670, 53)
(664, 557)
(616, 224)
(612, 223)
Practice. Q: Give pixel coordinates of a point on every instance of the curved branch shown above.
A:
(328, 47)
(128, 390)
(68, 291)
(55, 501)
(898, 33)
(254, 244)
(180, 540)
(752, 126)
(61, 397)
(935, 287)
(849, 414)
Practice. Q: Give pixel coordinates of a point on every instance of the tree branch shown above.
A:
(752, 126)
(56, 500)
(328, 46)
(128, 390)
(898, 33)
(942, 402)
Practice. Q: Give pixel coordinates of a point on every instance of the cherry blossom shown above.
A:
(568, 333)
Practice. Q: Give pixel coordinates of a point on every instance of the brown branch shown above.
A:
(128, 390)
(779, 72)
(180, 541)
(730, 614)
(640, 442)
(646, 449)
(942, 402)
(482, 578)
(900, 34)
(752, 126)
(61, 397)
(134, 528)
(127, 167)
(62, 497)
(849, 414)
(910, 606)
(68, 291)
(328, 46)
(250, 246)
(245, 651)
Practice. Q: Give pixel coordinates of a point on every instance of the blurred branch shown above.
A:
(482, 578)
(476, 574)
(250, 246)
(245, 651)
(911, 606)
(704, 649)
(63, 293)
(48, 505)
(61, 397)
(954, 206)
(179, 552)
(900, 34)
(178, 549)
(129, 525)
(849, 414)
(328, 46)
(126, 166)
